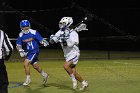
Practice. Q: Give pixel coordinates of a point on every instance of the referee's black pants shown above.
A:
(3, 78)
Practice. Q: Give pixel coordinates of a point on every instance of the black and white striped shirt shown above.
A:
(6, 47)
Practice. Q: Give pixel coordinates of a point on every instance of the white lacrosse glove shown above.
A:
(53, 39)
(22, 53)
(81, 27)
(44, 42)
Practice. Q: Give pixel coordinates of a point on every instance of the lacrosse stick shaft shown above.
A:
(82, 21)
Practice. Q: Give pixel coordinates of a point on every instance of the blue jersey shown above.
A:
(30, 41)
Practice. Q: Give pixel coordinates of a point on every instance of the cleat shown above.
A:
(45, 79)
(74, 84)
(27, 82)
(84, 85)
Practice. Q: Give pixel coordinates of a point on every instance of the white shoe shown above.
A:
(74, 84)
(45, 79)
(84, 85)
(27, 82)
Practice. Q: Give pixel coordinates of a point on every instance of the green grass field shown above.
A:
(104, 76)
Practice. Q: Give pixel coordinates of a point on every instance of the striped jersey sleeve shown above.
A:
(7, 44)
(6, 47)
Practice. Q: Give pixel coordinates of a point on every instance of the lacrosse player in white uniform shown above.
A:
(69, 41)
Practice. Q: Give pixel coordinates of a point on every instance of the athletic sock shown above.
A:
(44, 74)
(72, 77)
(28, 77)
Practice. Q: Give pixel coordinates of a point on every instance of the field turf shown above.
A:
(103, 76)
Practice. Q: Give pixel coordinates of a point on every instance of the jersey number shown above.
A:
(30, 44)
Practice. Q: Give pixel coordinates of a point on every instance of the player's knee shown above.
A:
(35, 67)
(66, 66)
(26, 64)
(72, 65)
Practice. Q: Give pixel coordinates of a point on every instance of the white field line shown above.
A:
(125, 63)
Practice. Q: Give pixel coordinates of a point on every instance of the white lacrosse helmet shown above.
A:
(65, 22)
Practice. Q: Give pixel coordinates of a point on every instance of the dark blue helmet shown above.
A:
(24, 23)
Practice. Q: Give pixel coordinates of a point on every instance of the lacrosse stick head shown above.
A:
(81, 27)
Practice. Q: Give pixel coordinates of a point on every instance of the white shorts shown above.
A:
(72, 57)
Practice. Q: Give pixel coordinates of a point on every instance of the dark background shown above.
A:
(114, 24)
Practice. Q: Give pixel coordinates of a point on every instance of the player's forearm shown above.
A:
(9, 50)
(19, 47)
(21, 51)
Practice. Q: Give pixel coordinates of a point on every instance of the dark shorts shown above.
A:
(4, 89)
(3, 78)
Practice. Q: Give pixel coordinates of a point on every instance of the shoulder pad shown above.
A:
(20, 34)
(32, 31)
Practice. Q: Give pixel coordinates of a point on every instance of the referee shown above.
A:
(6, 49)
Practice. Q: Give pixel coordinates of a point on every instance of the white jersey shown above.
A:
(72, 42)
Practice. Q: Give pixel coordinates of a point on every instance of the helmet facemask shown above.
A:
(62, 25)
(25, 29)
